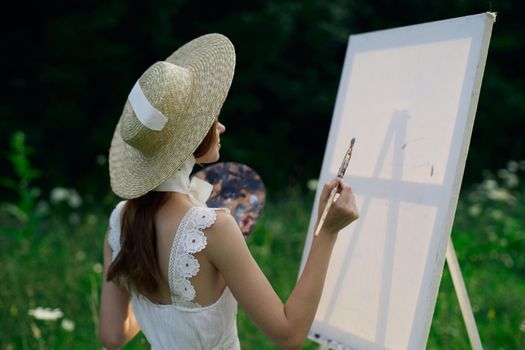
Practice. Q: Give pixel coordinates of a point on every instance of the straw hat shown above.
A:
(168, 113)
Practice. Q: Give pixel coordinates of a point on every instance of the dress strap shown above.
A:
(189, 240)
(114, 230)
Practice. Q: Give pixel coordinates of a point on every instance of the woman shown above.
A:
(174, 268)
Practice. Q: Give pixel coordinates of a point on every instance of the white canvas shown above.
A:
(408, 95)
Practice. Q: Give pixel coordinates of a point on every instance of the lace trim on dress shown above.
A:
(114, 230)
(189, 240)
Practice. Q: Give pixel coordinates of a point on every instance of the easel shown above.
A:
(461, 292)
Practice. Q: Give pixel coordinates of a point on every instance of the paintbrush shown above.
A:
(340, 174)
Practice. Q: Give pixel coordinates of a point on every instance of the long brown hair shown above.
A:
(136, 266)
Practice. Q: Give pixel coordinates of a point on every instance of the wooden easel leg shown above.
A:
(461, 292)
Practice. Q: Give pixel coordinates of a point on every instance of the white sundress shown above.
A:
(183, 324)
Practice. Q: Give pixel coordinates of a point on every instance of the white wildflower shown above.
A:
(46, 314)
(512, 180)
(97, 267)
(489, 184)
(59, 194)
(474, 210)
(67, 325)
(496, 214)
(312, 184)
(69, 195)
(36, 331)
(74, 200)
(501, 195)
(512, 166)
(522, 326)
(503, 173)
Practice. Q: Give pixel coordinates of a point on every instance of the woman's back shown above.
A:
(208, 283)
(186, 319)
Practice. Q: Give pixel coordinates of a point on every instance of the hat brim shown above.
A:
(211, 61)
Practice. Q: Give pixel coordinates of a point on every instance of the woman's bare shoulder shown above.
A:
(224, 236)
(225, 224)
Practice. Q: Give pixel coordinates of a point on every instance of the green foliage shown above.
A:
(60, 267)
(55, 263)
(62, 270)
(494, 210)
(76, 63)
(489, 237)
(23, 210)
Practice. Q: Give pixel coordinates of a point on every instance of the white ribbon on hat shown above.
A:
(148, 115)
(198, 189)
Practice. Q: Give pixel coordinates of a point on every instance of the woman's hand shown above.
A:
(343, 211)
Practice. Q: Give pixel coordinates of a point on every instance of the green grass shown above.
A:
(51, 257)
(59, 267)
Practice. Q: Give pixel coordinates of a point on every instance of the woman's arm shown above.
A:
(117, 321)
(286, 324)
